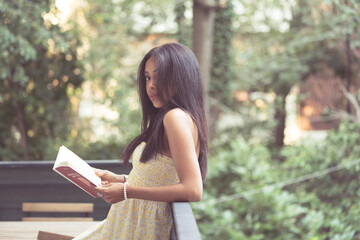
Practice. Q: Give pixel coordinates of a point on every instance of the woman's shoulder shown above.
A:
(177, 115)
(178, 120)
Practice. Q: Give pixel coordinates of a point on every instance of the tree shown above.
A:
(285, 43)
(222, 62)
(339, 24)
(202, 37)
(269, 61)
(38, 71)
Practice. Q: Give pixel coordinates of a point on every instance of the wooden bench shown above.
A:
(51, 208)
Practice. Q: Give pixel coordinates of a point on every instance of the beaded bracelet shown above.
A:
(125, 195)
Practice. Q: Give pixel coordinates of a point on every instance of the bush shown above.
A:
(324, 207)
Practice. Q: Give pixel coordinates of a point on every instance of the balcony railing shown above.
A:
(184, 223)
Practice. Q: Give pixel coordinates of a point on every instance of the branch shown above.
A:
(352, 99)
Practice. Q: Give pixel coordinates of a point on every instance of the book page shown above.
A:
(66, 157)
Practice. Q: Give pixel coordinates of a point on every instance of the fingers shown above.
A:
(99, 172)
(103, 183)
(103, 192)
(103, 187)
(105, 175)
(99, 189)
(111, 192)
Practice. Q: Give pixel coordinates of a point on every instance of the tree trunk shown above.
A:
(203, 25)
(280, 117)
(280, 112)
(348, 70)
(20, 117)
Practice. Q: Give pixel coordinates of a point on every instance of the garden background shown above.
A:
(282, 81)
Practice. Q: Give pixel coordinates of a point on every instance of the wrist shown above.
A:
(120, 178)
(124, 178)
(129, 189)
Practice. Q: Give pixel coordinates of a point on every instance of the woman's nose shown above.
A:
(152, 83)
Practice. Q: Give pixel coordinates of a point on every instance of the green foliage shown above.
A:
(111, 66)
(40, 73)
(98, 150)
(38, 68)
(222, 59)
(184, 31)
(324, 207)
(240, 169)
(279, 52)
(336, 194)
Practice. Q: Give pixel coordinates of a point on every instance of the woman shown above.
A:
(169, 156)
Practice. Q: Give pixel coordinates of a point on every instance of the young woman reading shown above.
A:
(169, 157)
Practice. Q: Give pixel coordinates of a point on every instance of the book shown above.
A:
(77, 171)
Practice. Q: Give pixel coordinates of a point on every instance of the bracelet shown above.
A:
(125, 195)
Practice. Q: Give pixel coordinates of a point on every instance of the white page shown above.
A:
(67, 157)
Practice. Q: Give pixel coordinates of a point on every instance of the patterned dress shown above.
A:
(136, 218)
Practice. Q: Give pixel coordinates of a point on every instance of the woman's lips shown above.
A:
(152, 96)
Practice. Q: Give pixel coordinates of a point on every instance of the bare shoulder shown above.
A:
(181, 131)
(177, 116)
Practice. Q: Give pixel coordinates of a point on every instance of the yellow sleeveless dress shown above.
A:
(136, 218)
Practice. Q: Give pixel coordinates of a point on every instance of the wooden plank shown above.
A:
(58, 207)
(15, 230)
(42, 219)
(11, 199)
(52, 236)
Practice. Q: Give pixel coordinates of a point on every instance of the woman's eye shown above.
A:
(147, 78)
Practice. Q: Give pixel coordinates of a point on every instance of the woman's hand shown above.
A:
(112, 192)
(108, 177)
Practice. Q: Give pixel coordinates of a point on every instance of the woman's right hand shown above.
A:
(108, 177)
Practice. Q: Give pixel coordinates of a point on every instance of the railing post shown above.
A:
(184, 223)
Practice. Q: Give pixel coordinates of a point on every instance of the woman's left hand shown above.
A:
(112, 192)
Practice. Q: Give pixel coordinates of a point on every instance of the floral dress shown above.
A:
(136, 218)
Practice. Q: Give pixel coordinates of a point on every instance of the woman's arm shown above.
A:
(182, 137)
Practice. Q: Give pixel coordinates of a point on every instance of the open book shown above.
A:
(77, 171)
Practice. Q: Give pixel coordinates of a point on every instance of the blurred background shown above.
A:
(282, 83)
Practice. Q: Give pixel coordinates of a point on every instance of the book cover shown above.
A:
(77, 171)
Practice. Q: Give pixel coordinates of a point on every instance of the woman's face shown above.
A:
(150, 77)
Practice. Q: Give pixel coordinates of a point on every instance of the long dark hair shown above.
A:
(179, 85)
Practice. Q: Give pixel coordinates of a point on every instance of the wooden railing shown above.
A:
(37, 182)
(184, 223)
